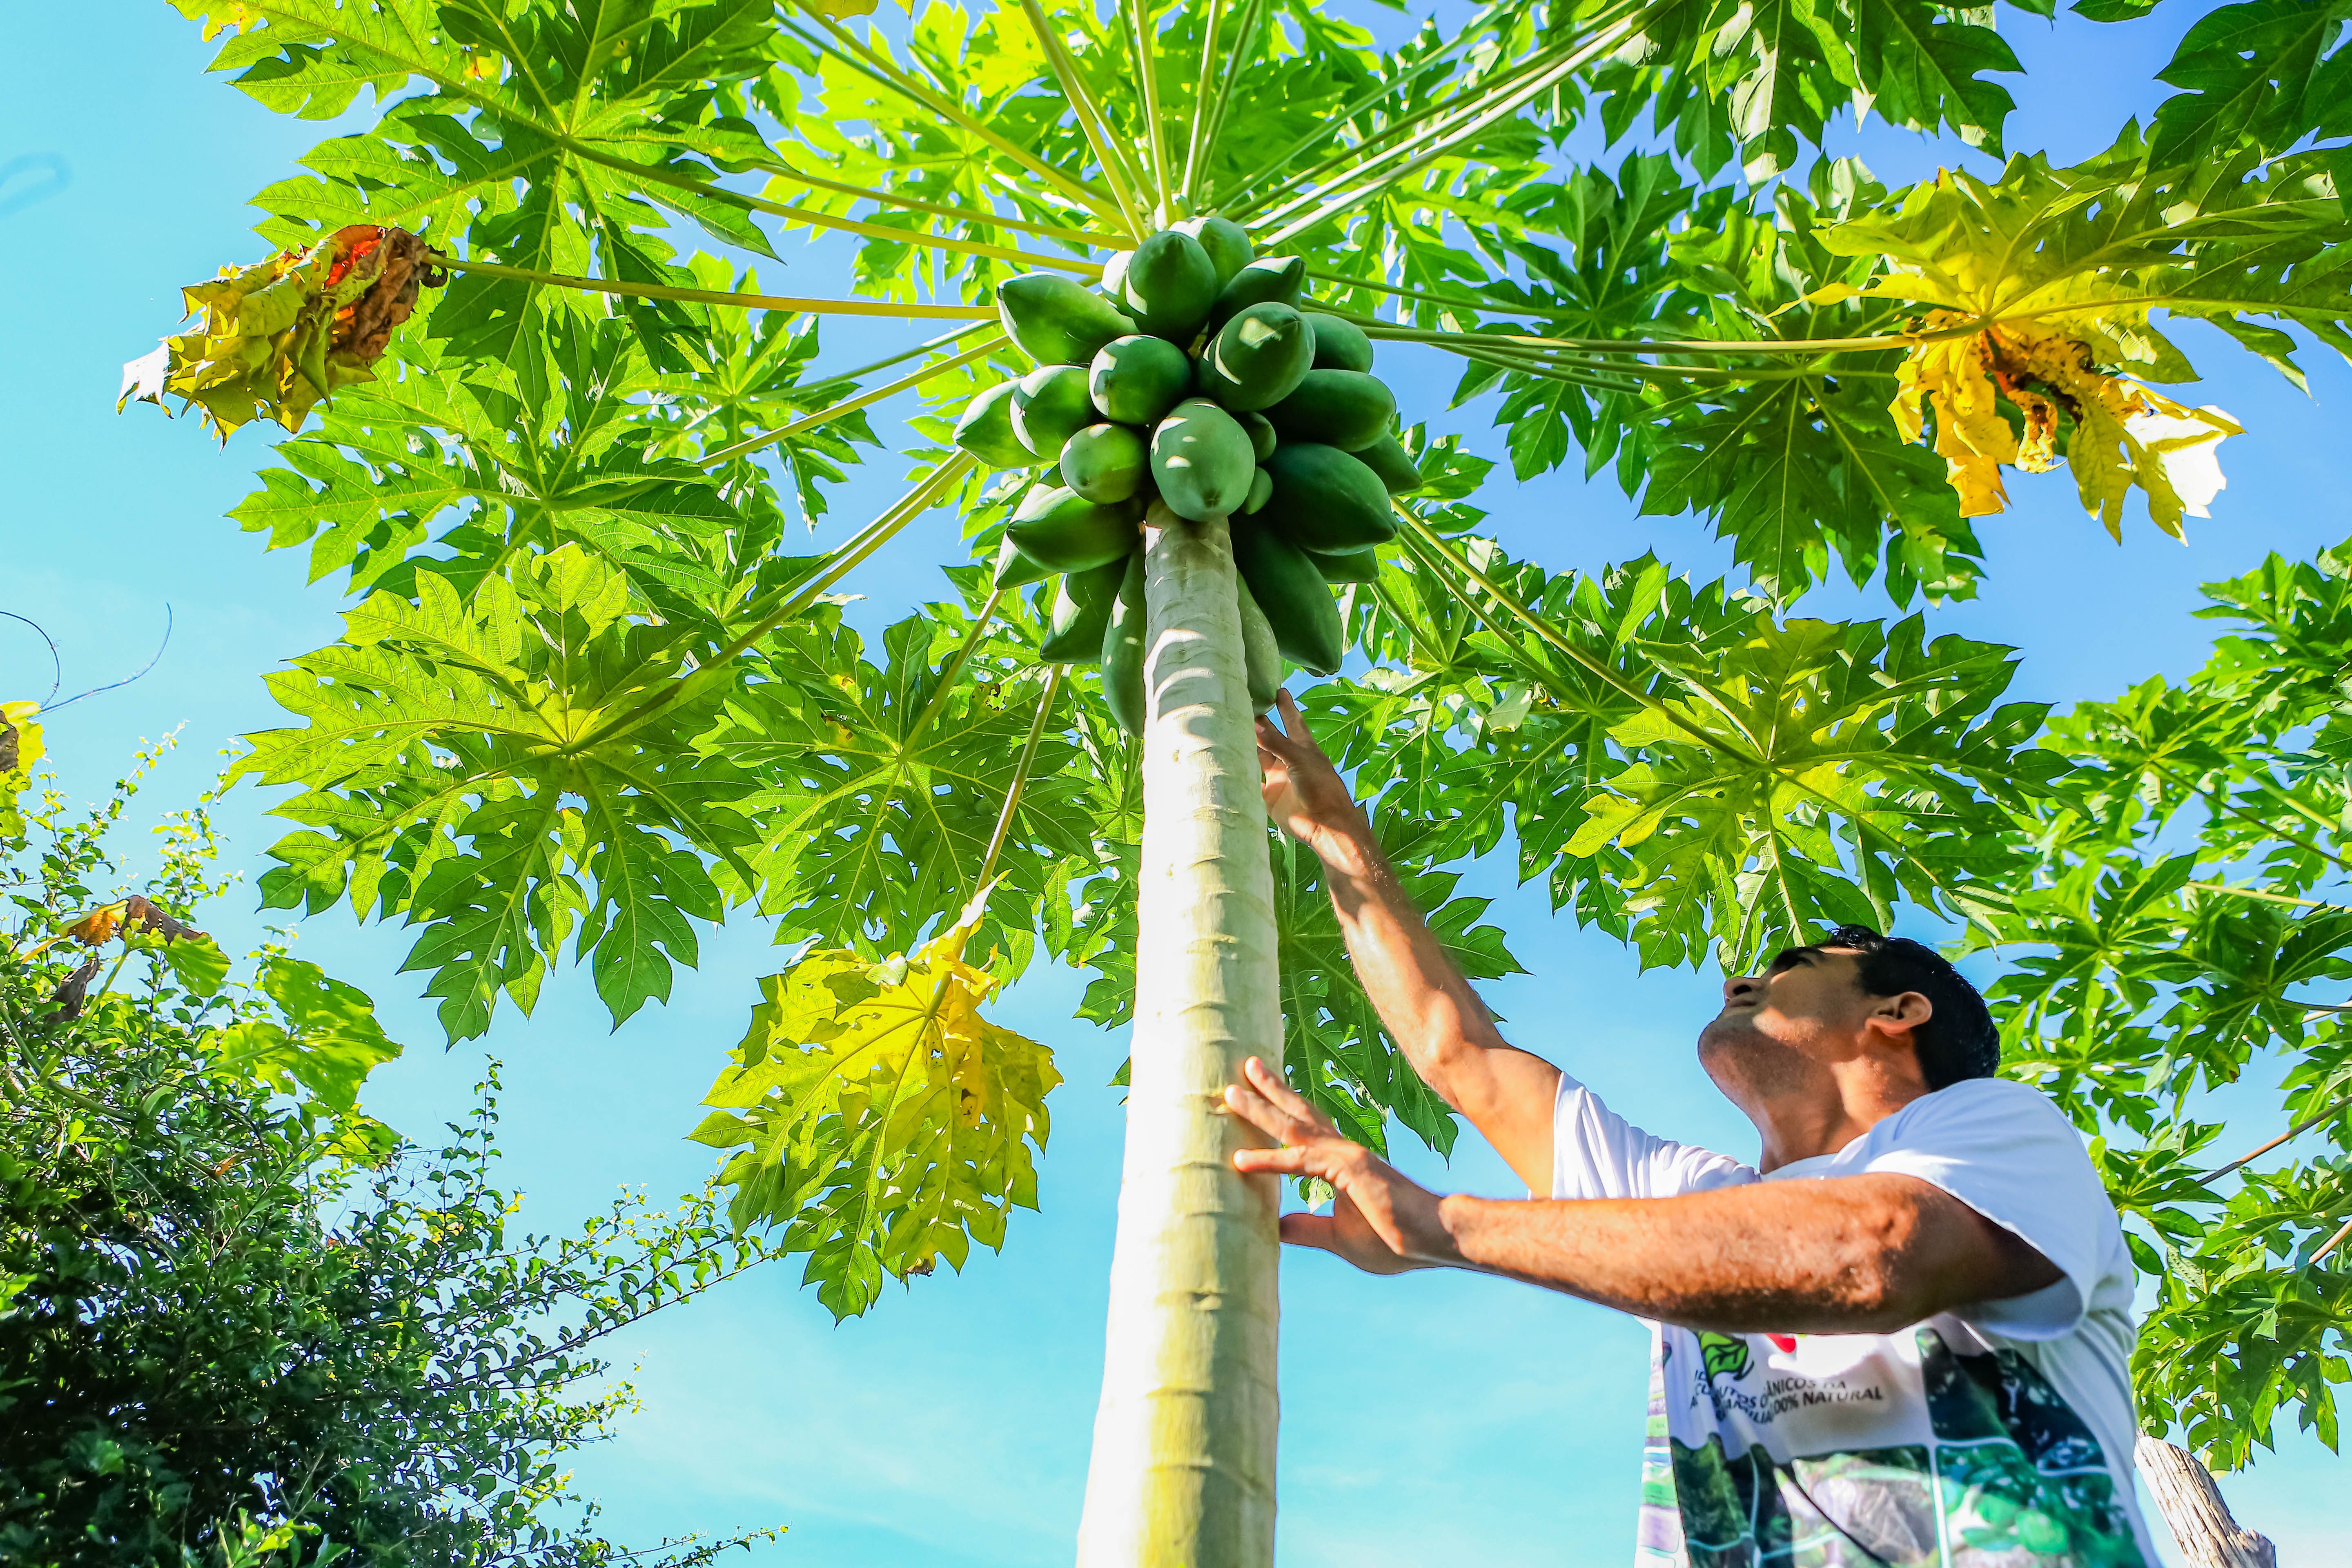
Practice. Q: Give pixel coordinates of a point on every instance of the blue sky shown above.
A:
(1431, 1419)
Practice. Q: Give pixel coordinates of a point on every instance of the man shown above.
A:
(1901, 1338)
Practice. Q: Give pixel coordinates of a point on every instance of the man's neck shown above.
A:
(1795, 1128)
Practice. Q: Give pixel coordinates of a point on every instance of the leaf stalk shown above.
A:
(1245, 41)
(1195, 156)
(1146, 68)
(806, 422)
(716, 296)
(1021, 773)
(1121, 175)
(887, 73)
(1078, 237)
(794, 598)
(1546, 633)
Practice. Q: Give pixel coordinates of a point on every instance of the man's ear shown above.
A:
(1898, 1017)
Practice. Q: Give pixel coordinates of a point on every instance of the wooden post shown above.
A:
(2192, 1506)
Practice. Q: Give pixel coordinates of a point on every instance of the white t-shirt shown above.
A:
(1995, 1435)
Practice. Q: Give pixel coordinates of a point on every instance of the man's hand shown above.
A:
(1380, 1222)
(1305, 795)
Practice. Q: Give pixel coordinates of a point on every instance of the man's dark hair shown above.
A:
(1960, 1041)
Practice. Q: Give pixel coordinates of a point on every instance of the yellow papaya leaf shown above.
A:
(882, 1123)
(2038, 337)
(2119, 433)
(274, 339)
(1949, 378)
(21, 751)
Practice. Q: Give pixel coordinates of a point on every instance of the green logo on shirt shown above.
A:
(1724, 1355)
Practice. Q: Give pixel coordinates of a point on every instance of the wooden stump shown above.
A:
(2191, 1504)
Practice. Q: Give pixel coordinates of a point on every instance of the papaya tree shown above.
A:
(586, 698)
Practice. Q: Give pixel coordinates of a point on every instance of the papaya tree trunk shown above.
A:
(1183, 1472)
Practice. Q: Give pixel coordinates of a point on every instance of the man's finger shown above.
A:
(1302, 1229)
(1290, 1160)
(1301, 740)
(1270, 1084)
(1271, 739)
(1276, 1121)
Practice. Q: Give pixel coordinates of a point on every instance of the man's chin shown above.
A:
(1723, 1035)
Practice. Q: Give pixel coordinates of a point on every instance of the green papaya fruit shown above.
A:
(1135, 379)
(1081, 604)
(1339, 344)
(1257, 359)
(1050, 404)
(1106, 462)
(1227, 243)
(1342, 408)
(1394, 466)
(1015, 570)
(1064, 531)
(1261, 430)
(1339, 566)
(1324, 499)
(1123, 649)
(1201, 461)
(1296, 601)
(1261, 487)
(1270, 280)
(1168, 286)
(1114, 274)
(986, 430)
(1056, 321)
(1261, 658)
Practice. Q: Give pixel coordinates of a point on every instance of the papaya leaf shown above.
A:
(444, 741)
(325, 1038)
(425, 472)
(746, 377)
(197, 963)
(1757, 80)
(1700, 776)
(318, 1041)
(2261, 75)
(1799, 465)
(882, 1123)
(544, 138)
(881, 785)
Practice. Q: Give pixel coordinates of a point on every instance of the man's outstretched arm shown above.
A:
(1428, 1007)
(1848, 1254)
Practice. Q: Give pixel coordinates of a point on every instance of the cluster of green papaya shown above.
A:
(1194, 377)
